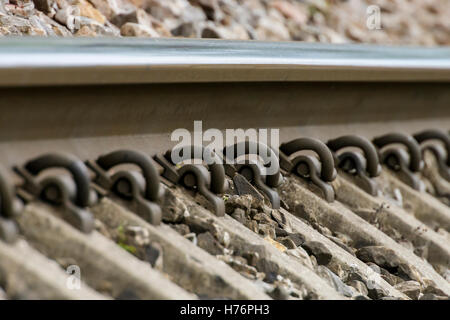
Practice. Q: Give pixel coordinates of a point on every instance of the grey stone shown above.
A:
(374, 267)
(323, 230)
(281, 219)
(185, 29)
(51, 27)
(297, 238)
(344, 238)
(287, 242)
(255, 215)
(409, 272)
(269, 268)
(112, 9)
(302, 255)
(182, 229)
(207, 242)
(410, 288)
(235, 201)
(281, 232)
(240, 265)
(355, 275)
(172, 208)
(279, 293)
(240, 215)
(284, 205)
(319, 250)
(266, 287)
(381, 256)
(131, 29)
(66, 16)
(334, 281)
(301, 212)
(267, 210)
(154, 255)
(131, 15)
(432, 296)
(407, 244)
(139, 235)
(266, 219)
(267, 230)
(376, 292)
(359, 286)
(390, 278)
(341, 244)
(191, 237)
(128, 294)
(44, 5)
(313, 260)
(443, 270)
(210, 32)
(434, 290)
(243, 186)
(251, 257)
(253, 226)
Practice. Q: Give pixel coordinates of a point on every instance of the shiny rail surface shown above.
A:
(25, 62)
(82, 89)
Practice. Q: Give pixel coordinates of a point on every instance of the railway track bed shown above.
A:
(90, 195)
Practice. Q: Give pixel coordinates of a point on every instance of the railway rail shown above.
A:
(357, 209)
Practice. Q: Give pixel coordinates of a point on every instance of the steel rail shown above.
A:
(50, 61)
(73, 94)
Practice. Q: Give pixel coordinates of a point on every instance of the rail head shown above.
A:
(60, 61)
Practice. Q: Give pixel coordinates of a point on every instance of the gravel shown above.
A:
(330, 21)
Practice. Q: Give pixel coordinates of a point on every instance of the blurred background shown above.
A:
(400, 22)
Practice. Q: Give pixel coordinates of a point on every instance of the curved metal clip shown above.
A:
(142, 189)
(196, 176)
(254, 171)
(363, 168)
(405, 163)
(320, 170)
(442, 156)
(10, 207)
(73, 194)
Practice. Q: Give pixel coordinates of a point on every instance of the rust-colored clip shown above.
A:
(319, 170)
(10, 207)
(404, 162)
(142, 189)
(442, 156)
(72, 194)
(196, 176)
(255, 171)
(364, 166)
